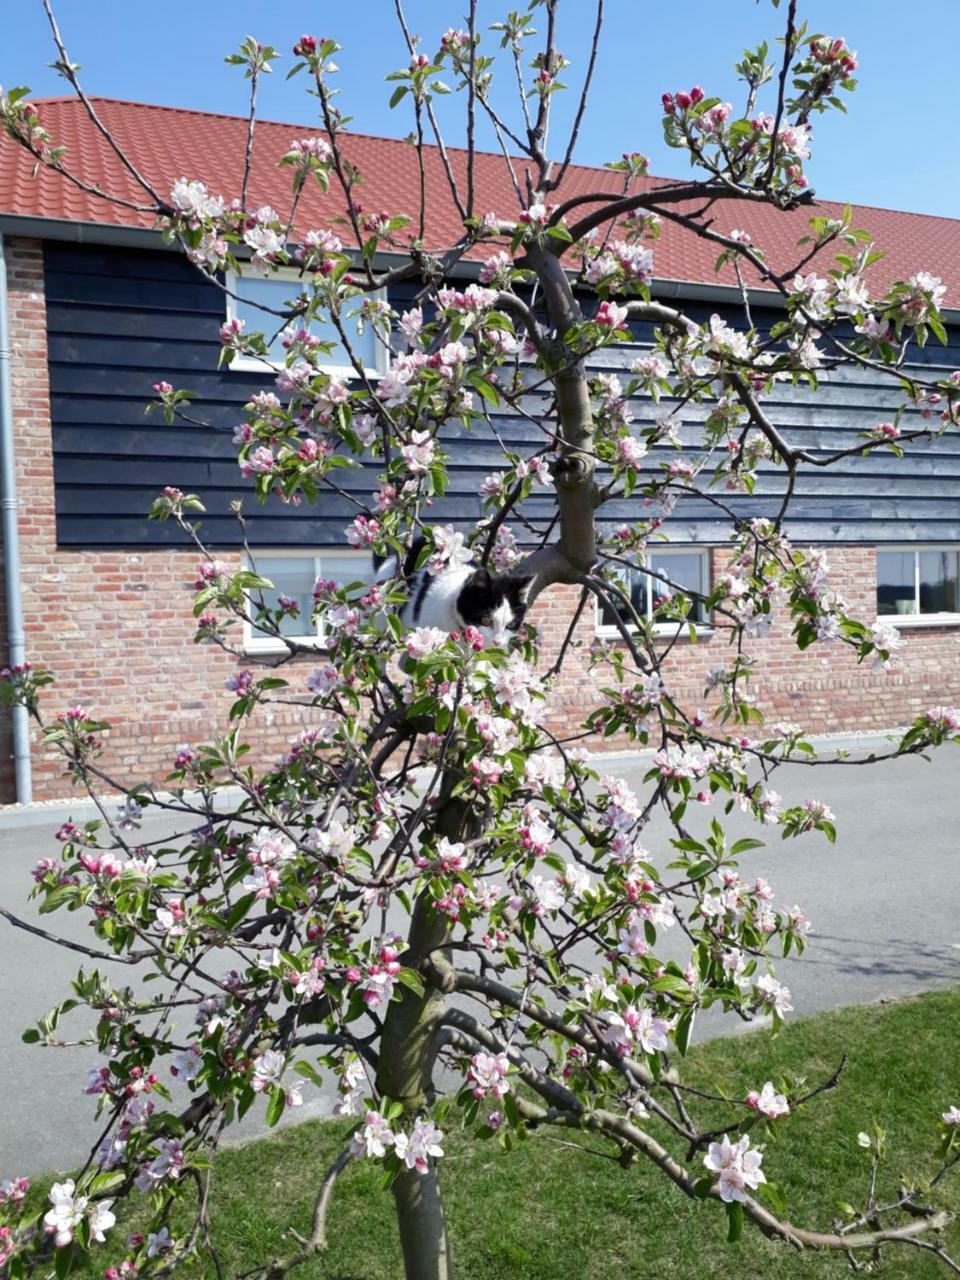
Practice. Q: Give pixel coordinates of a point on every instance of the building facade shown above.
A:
(96, 319)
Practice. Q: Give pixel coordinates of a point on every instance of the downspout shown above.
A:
(11, 542)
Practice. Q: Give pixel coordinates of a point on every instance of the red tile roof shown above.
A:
(166, 143)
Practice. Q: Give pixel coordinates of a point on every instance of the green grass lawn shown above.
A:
(548, 1212)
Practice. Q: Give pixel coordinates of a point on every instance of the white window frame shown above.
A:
(606, 631)
(322, 558)
(261, 364)
(917, 619)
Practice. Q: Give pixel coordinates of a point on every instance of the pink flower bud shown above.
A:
(696, 94)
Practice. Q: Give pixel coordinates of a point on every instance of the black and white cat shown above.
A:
(493, 603)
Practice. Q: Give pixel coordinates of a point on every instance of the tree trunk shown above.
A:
(405, 1072)
(574, 471)
(408, 1043)
(422, 1225)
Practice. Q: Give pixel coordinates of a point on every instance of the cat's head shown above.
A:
(494, 603)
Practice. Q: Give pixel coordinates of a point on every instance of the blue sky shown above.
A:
(887, 151)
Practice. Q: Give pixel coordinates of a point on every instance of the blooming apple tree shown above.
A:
(430, 877)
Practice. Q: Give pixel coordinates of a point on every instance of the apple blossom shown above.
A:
(420, 452)
(373, 1137)
(100, 1219)
(488, 1075)
(158, 1242)
(14, 1190)
(548, 896)
(770, 992)
(267, 1070)
(738, 1167)
(768, 1102)
(416, 1148)
(186, 1064)
(62, 1220)
(422, 641)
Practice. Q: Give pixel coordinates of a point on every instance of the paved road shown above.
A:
(884, 903)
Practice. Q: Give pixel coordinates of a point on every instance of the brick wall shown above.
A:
(115, 626)
(822, 688)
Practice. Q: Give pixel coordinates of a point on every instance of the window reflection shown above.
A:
(896, 589)
(925, 581)
(670, 573)
(277, 292)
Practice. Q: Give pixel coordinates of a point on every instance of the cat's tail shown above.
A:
(412, 556)
(386, 566)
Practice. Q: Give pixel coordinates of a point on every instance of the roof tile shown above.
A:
(166, 143)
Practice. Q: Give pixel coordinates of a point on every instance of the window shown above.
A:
(922, 582)
(293, 574)
(276, 290)
(667, 571)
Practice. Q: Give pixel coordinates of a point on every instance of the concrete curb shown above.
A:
(15, 817)
(80, 809)
(876, 740)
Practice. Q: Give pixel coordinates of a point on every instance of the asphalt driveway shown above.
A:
(883, 901)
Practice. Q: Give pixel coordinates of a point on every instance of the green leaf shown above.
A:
(106, 1182)
(774, 1195)
(688, 845)
(742, 846)
(238, 912)
(734, 1221)
(484, 386)
(309, 1072)
(511, 1110)
(936, 324)
(683, 1031)
(276, 1105)
(672, 985)
(701, 868)
(57, 897)
(411, 979)
(398, 94)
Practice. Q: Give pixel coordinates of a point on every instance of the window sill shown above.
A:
(663, 631)
(275, 648)
(910, 620)
(270, 368)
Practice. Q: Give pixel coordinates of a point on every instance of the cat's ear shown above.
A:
(480, 579)
(519, 584)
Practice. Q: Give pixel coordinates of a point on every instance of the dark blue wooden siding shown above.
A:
(120, 320)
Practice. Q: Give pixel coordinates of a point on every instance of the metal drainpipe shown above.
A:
(11, 542)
